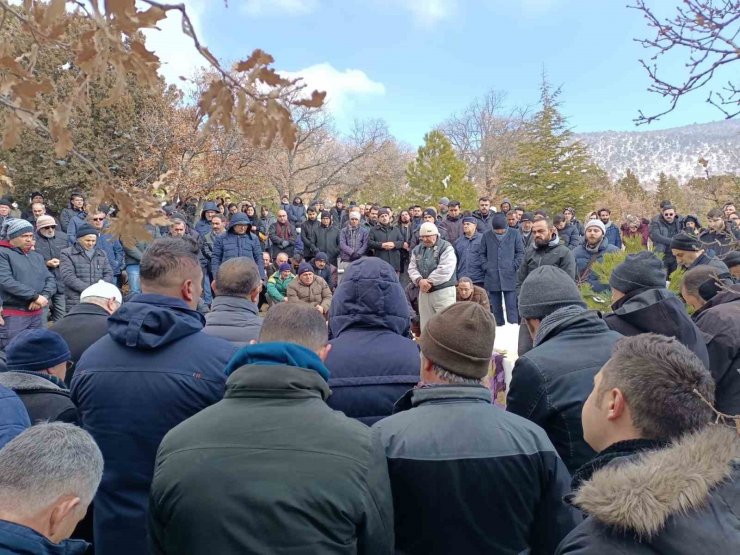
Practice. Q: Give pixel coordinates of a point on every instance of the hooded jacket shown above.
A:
(500, 258)
(203, 226)
(23, 277)
(683, 499)
(235, 319)
(22, 540)
(45, 398)
(230, 245)
(13, 415)
(657, 311)
(80, 271)
(369, 313)
(154, 369)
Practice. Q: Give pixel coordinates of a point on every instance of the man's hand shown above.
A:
(42, 301)
(320, 308)
(2, 321)
(405, 245)
(34, 306)
(425, 285)
(388, 245)
(52, 263)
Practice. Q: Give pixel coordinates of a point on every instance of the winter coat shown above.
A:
(23, 277)
(13, 414)
(326, 240)
(704, 260)
(484, 222)
(719, 321)
(235, 319)
(683, 499)
(479, 296)
(134, 249)
(440, 443)
(45, 398)
(554, 254)
(287, 474)
(22, 540)
(453, 228)
(643, 231)
(82, 326)
(500, 260)
(527, 239)
(415, 239)
(52, 248)
(296, 214)
(76, 221)
(437, 264)
(154, 369)
(68, 214)
(384, 234)
(583, 258)
(350, 250)
(113, 249)
(613, 236)
(318, 293)
(467, 250)
(230, 245)
(720, 243)
(308, 228)
(277, 288)
(203, 226)
(569, 236)
(661, 232)
(369, 314)
(329, 275)
(657, 311)
(551, 382)
(206, 250)
(79, 271)
(282, 238)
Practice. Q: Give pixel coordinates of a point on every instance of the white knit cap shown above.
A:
(596, 223)
(428, 228)
(103, 289)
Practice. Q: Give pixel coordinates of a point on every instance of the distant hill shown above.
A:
(674, 151)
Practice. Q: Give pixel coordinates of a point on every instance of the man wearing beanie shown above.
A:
(451, 222)
(326, 238)
(277, 284)
(26, 285)
(501, 254)
(551, 382)
(323, 269)
(50, 242)
(641, 303)
(446, 437)
(467, 249)
(37, 363)
(310, 289)
(525, 228)
(732, 261)
(83, 264)
(591, 251)
(385, 240)
(688, 250)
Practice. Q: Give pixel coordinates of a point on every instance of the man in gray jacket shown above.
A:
(234, 314)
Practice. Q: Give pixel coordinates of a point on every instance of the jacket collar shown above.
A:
(225, 303)
(87, 309)
(641, 494)
(588, 322)
(22, 539)
(730, 295)
(256, 380)
(442, 393)
(27, 381)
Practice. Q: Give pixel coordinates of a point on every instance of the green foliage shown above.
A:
(550, 169)
(669, 189)
(437, 172)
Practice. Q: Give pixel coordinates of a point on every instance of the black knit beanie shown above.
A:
(638, 271)
(685, 242)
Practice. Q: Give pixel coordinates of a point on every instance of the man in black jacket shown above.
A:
(386, 240)
(325, 238)
(665, 479)
(436, 458)
(49, 243)
(663, 228)
(308, 228)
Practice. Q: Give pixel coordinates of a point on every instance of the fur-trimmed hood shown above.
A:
(23, 381)
(639, 495)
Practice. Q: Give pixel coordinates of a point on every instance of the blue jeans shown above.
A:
(512, 311)
(207, 294)
(134, 279)
(16, 324)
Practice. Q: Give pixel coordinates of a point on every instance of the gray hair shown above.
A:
(465, 280)
(295, 323)
(451, 377)
(237, 277)
(44, 463)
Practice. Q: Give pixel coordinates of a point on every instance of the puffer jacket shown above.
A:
(296, 214)
(52, 248)
(13, 414)
(583, 255)
(569, 236)
(469, 265)
(203, 226)
(316, 294)
(683, 499)
(79, 272)
(277, 288)
(661, 233)
(235, 319)
(23, 277)
(369, 312)
(113, 249)
(230, 245)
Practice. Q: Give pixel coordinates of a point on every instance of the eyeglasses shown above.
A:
(70, 365)
(97, 219)
(49, 227)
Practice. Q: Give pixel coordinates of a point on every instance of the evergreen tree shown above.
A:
(630, 186)
(668, 189)
(550, 170)
(437, 172)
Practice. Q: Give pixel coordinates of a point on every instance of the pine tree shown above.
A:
(668, 189)
(437, 172)
(550, 170)
(630, 186)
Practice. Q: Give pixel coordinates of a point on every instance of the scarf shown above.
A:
(593, 250)
(53, 379)
(283, 231)
(275, 354)
(553, 320)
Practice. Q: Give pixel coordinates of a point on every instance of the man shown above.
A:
(325, 238)
(75, 210)
(665, 479)
(716, 302)
(87, 322)
(570, 219)
(689, 253)
(206, 254)
(325, 271)
(48, 477)
(595, 245)
(109, 244)
(443, 207)
(567, 232)
(519, 211)
(371, 217)
(308, 229)
(203, 225)
(263, 225)
(511, 220)
(437, 456)
(5, 206)
(386, 240)
(282, 235)
(642, 304)
(732, 261)
(337, 213)
(177, 228)
(277, 284)
(551, 382)
(501, 254)
(432, 270)
(239, 240)
(546, 251)
(466, 291)
(719, 238)
(134, 249)
(452, 222)
(296, 213)
(663, 228)
(310, 289)
(161, 369)
(49, 243)
(728, 209)
(484, 214)
(612, 231)
(353, 242)
(430, 216)
(26, 285)
(505, 206)
(38, 209)
(467, 249)
(234, 315)
(36, 365)
(525, 229)
(416, 216)
(36, 197)
(264, 459)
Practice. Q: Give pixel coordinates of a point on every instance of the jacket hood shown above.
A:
(730, 295)
(149, 321)
(13, 415)
(653, 310)
(583, 323)
(238, 218)
(209, 205)
(369, 296)
(640, 494)
(277, 353)
(27, 381)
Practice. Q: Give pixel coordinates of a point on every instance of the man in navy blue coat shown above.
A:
(154, 369)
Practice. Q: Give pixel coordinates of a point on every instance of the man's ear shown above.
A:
(187, 291)
(324, 352)
(214, 288)
(60, 516)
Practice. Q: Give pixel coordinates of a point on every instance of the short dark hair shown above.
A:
(558, 219)
(715, 213)
(658, 376)
(166, 257)
(600, 210)
(453, 203)
(237, 277)
(695, 278)
(484, 199)
(294, 323)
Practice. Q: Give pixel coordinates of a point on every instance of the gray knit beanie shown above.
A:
(15, 227)
(639, 271)
(545, 290)
(460, 339)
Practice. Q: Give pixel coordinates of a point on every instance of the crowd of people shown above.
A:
(317, 381)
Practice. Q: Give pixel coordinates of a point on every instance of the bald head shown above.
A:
(238, 277)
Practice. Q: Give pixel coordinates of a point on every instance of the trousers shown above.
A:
(434, 302)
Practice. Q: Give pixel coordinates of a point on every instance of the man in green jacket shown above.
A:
(277, 283)
(271, 468)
